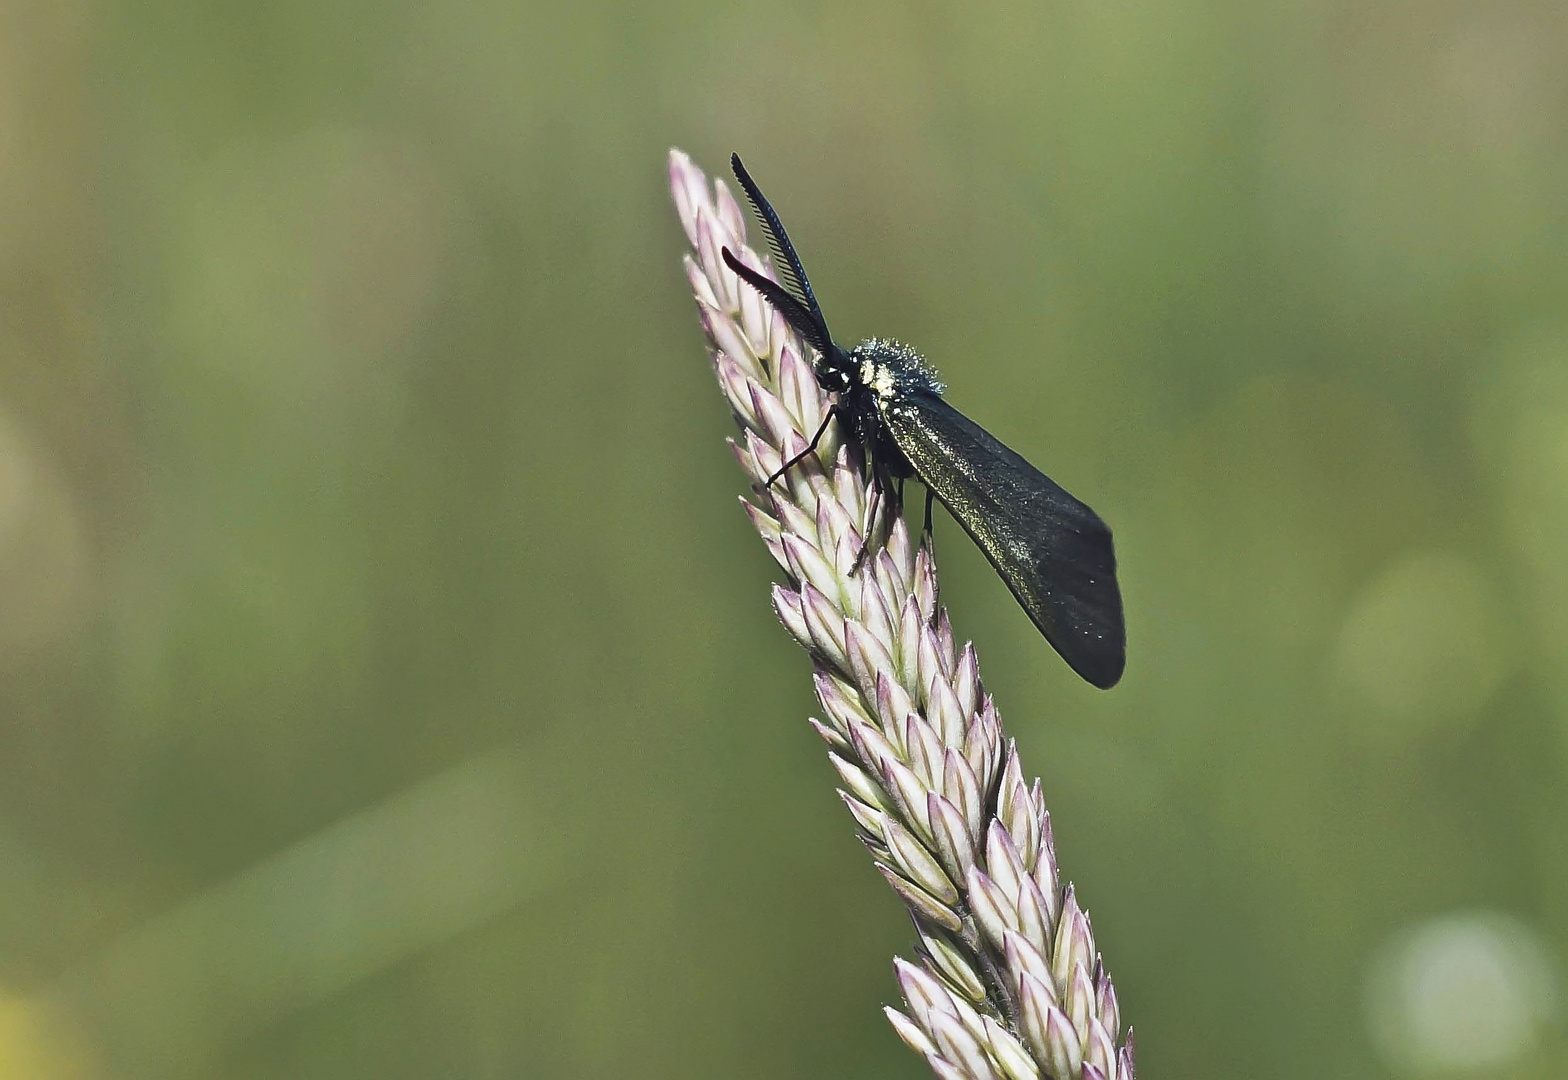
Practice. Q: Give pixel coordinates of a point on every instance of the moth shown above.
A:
(1052, 551)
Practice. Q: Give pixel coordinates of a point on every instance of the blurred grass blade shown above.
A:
(311, 921)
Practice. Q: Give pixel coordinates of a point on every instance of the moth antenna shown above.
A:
(786, 304)
(790, 270)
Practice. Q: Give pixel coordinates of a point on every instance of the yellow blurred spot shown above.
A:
(34, 1048)
(1425, 644)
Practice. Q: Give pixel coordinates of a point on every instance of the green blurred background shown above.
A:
(387, 681)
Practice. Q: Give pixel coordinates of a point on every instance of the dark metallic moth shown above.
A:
(1053, 552)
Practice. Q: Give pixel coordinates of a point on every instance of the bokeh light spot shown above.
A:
(1464, 991)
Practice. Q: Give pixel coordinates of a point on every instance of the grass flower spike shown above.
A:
(1009, 985)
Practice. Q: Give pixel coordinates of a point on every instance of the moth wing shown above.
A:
(1054, 553)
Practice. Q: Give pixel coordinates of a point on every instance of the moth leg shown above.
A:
(810, 449)
(896, 491)
(873, 510)
(882, 491)
(925, 529)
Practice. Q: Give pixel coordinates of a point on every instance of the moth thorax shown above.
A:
(890, 369)
(878, 378)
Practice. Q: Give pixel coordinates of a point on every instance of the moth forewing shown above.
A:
(1054, 553)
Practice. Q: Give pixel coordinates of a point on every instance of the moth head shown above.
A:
(836, 370)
